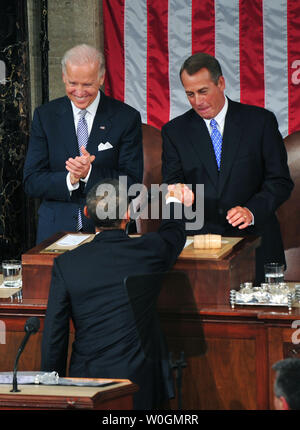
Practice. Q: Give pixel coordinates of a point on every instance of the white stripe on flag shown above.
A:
(227, 51)
(227, 44)
(135, 41)
(180, 48)
(276, 61)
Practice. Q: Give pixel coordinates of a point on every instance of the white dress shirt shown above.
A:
(89, 116)
(220, 120)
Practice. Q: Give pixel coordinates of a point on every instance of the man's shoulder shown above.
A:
(73, 259)
(80, 252)
(118, 105)
(249, 109)
(54, 105)
(179, 120)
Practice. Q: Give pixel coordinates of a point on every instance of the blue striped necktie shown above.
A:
(82, 139)
(82, 130)
(216, 138)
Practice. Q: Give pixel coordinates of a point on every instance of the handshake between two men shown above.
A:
(237, 216)
(182, 193)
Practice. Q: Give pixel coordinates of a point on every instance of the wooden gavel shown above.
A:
(207, 241)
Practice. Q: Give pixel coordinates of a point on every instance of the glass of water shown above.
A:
(12, 273)
(274, 273)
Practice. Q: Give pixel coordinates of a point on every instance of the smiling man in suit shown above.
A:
(237, 152)
(76, 140)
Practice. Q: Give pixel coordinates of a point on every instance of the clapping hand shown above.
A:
(79, 166)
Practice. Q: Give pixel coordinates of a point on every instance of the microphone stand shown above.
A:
(22, 346)
(32, 325)
(178, 365)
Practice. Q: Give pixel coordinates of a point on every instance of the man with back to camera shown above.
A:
(88, 286)
(237, 152)
(287, 384)
(77, 140)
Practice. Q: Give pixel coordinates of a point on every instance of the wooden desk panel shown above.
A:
(13, 316)
(229, 352)
(212, 278)
(37, 270)
(41, 397)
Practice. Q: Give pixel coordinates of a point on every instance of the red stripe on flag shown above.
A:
(158, 97)
(252, 85)
(113, 23)
(203, 27)
(293, 31)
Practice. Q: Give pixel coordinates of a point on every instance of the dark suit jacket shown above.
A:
(88, 286)
(253, 173)
(53, 140)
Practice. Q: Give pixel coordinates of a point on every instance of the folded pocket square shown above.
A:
(104, 146)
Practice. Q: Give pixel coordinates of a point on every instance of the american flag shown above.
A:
(257, 43)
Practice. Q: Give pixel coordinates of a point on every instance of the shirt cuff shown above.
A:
(87, 176)
(71, 187)
(252, 222)
(172, 200)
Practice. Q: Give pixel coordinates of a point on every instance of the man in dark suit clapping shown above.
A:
(76, 141)
(88, 286)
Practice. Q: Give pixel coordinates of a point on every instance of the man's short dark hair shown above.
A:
(287, 381)
(199, 61)
(107, 203)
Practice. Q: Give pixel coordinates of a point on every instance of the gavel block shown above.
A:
(207, 241)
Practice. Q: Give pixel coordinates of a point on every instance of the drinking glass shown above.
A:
(274, 273)
(12, 273)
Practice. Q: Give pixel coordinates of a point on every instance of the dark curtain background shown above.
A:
(17, 213)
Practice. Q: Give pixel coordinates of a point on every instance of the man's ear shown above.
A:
(284, 403)
(281, 404)
(125, 220)
(101, 80)
(85, 211)
(127, 214)
(221, 83)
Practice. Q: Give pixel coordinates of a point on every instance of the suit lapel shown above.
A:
(231, 141)
(100, 129)
(101, 125)
(202, 145)
(66, 128)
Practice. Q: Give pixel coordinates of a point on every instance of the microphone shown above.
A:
(32, 325)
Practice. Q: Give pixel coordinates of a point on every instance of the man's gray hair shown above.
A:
(82, 54)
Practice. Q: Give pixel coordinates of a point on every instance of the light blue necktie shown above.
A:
(82, 130)
(216, 138)
(82, 139)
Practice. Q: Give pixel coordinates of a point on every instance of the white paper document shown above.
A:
(188, 242)
(72, 239)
